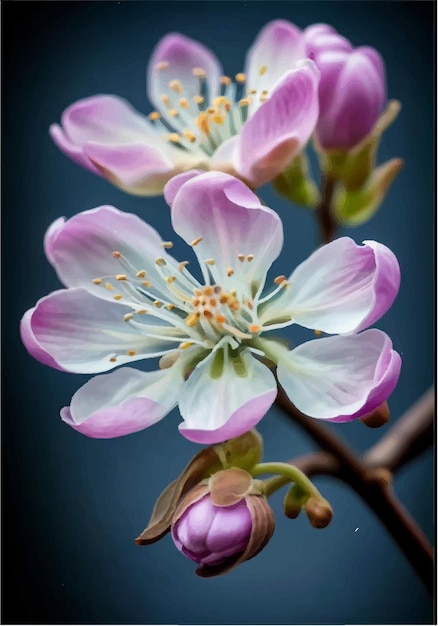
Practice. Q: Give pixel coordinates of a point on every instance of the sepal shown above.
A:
(296, 185)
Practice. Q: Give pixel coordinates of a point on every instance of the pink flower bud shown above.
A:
(352, 89)
(223, 522)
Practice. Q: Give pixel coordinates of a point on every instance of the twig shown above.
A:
(327, 223)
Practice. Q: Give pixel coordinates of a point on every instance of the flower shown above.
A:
(251, 127)
(127, 299)
(223, 523)
(352, 90)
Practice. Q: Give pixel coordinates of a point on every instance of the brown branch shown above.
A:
(326, 221)
(372, 483)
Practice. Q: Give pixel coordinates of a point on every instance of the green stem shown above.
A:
(288, 473)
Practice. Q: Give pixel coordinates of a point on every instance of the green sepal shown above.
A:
(353, 207)
(296, 185)
(244, 451)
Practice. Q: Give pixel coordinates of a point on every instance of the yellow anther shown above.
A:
(170, 307)
(146, 283)
(142, 311)
(220, 100)
(318, 333)
(109, 287)
(220, 318)
(195, 301)
(225, 80)
(162, 65)
(240, 77)
(264, 92)
(165, 99)
(121, 277)
(210, 261)
(191, 319)
(170, 279)
(160, 261)
(158, 303)
(118, 296)
(208, 290)
(199, 72)
(207, 313)
(279, 280)
(185, 345)
(196, 241)
(254, 328)
(128, 316)
(241, 257)
(218, 119)
(213, 302)
(262, 70)
(263, 98)
(189, 135)
(131, 353)
(113, 359)
(198, 292)
(245, 102)
(173, 112)
(250, 305)
(97, 281)
(252, 92)
(230, 271)
(141, 274)
(224, 298)
(154, 116)
(202, 122)
(116, 254)
(176, 86)
(184, 103)
(182, 265)
(250, 258)
(211, 110)
(198, 99)
(167, 244)
(173, 137)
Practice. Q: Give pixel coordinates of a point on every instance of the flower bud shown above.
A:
(352, 88)
(319, 512)
(223, 522)
(377, 418)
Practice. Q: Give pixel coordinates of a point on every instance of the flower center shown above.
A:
(198, 124)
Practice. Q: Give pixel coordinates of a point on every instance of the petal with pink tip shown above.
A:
(219, 404)
(279, 129)
(341, 288)
(122, 402)
(174, 59)
(229, 218)
(341, 378)
(85, 334)
(174, 184)
(31, 343)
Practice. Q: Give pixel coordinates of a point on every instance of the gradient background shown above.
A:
(72, 505)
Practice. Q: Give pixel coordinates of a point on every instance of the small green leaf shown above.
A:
(296, 185)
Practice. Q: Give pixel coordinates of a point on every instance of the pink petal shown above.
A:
(50, 237)
(231, 221)
(341, 288)
(281, 127)
(178, 56)
(32, 345)
(341, 378)
(174, 184)
(74, 152)
(120, 403)
(221, 407)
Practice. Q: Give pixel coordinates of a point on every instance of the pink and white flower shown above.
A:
(128, 299)
(251, 127)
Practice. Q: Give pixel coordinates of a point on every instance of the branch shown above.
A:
(370, 481)
(327, 223)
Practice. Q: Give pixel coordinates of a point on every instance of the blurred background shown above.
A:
(72, 506)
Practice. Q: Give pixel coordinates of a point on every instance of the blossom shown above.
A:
(223, 523)
(128, 299)
(352, 90)
(251, 127)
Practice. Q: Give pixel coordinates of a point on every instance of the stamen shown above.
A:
(170, 307)
(220, 318)
(184, 103)
(183, 265)
(254, 328)
(128, 316)
(116, 254)
(202, 123)
(142, 312)
(176, 86)
(160, 261)
(97, 281)
(131, 353)
(240, 77)
(167, 244)
(113, 359)
(170, 279)
(141, 274)
(162, 65)
(165, 99)
(230, 271)
(173, 137)
(173, 112)
(154, 116)
(121, 277)
(250, 258)
(279, 280)
(318, 333)
(244, 104)
(157, 303)
(225, 80)
(199, 72)
(195, 243)
(262, 70)
(187, 134)
(241, 257)
(191, 319)
(210, 261)
(146, 283)
(198, 100)
(109, 287)
(185, 345)
(118, 296)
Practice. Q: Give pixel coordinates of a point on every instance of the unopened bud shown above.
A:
(294, 501)
(223, 522)
(378, 417)
(319, 512)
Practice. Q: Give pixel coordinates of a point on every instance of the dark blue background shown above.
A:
(72, 505)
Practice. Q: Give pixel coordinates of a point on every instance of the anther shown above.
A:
(210, 261)
(173, 137)
(182, 265)
(141, 274)
(170, 279)
(176, 86)
(199, 72)
(116, 254)
(225, 80)
(187, 134)
(154, 116)
(160, 261)
(208, 291)
(254, 328)
(196, 241)
(241, 257)
(97, 281)
(262, 70)
(165, 99)
(128, 316)
(230, 271)
(245, 102)
(198, 99)
(184, 103)
(220, 318)
(158, 303)
(318, 333)
(113, 359)
(142, 311)
(167, 244)
(191, 319)
(170, 307)
(121, 277)
(109, 287)
(202, 123)
(250, 258)
(185, 345)
(162, 65)
(146, 283)
(118, 296)
(279, 280)
(173, 112)
(131, 353)
(240, 77)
